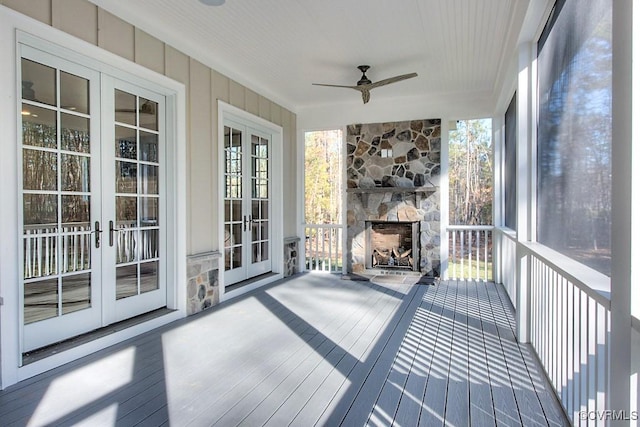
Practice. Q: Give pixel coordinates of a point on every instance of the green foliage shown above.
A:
(476, 270)
(323, 177)
(471, 173)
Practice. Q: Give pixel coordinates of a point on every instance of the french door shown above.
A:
(92, 151)
(247, 202)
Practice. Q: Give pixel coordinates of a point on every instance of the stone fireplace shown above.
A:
(393, 175)
(392, 245)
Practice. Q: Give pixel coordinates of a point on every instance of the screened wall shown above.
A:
(574, 132)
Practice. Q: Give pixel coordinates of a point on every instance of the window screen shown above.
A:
(574, 132)
(510, 165)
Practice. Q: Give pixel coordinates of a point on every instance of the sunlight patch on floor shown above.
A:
(83, 386)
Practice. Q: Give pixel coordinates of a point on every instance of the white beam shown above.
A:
(624, 191)
(524, 194)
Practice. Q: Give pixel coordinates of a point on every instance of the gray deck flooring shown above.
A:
(312, 350)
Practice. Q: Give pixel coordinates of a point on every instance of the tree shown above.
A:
(470, 173)
(323, 177)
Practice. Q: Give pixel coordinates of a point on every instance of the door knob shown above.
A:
(97, 232)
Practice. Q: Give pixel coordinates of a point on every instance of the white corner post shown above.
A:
(524, 186)
(625, 191)
(498, 129)
(447, 127)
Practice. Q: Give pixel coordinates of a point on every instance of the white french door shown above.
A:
(247, 202)
(92, 151)
(134, 185)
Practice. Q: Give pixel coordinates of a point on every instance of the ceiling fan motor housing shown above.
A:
(363, 80)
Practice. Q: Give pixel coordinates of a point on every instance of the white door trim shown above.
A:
(229, 112)
(15, 28)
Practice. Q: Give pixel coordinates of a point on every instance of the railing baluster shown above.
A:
(469, 245)
(486, 256)
(323, 247)
(330, 236)
(477, 232)
(453, 258)
(75, 236)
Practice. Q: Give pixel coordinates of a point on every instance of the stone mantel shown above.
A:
(424, 190)
(416, 193)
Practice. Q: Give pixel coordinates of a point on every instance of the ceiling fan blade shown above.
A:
(364, 85)
(328, 85)
(392, 80)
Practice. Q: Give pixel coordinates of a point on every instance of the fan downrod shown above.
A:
(363, 80)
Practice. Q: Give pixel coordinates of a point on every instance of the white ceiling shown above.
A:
(279, 47)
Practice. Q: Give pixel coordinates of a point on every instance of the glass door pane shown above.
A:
(259, 199)
(58, 204)
(137, 186)
(234, 216)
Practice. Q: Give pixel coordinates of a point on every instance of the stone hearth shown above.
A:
(393, 172)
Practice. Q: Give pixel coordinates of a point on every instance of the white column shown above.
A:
(446, 127)
(499, 189)
(624, 233)
(524, 184)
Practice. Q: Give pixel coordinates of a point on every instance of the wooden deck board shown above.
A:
(434, 399)
(426, 328)
(481, 396)
(347, 388)
(457, 407)
(294, 375)
(318, 390)
(367, 378)
(312, 350)
(340, 325)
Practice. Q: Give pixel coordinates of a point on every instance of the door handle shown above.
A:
(111, 231)
(97, 231)
(247, 221)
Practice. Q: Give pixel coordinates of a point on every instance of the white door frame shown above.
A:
(229, 112)
(17, 28)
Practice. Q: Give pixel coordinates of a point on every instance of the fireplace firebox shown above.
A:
(392, 245)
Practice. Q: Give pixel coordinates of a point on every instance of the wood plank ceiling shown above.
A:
(279, 48)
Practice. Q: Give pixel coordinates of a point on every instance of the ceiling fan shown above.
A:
(365, 85)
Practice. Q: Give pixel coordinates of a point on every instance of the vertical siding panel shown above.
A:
(236, 94)
(149, 51)
(293, 195)
(36, 9)
(251, 102)
(200, 166)
(219, 91)
(177, 65)
(264, 108)
(76, 17)
(115, 35)
(221, 87)
(216, 93)
(276, 114)
(289, 177)
(177, 68)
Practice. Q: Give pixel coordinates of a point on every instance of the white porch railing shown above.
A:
(570, 324)
(41, 255)
(470, 252)
(48, 251)
(570, 328)
(323, 247)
